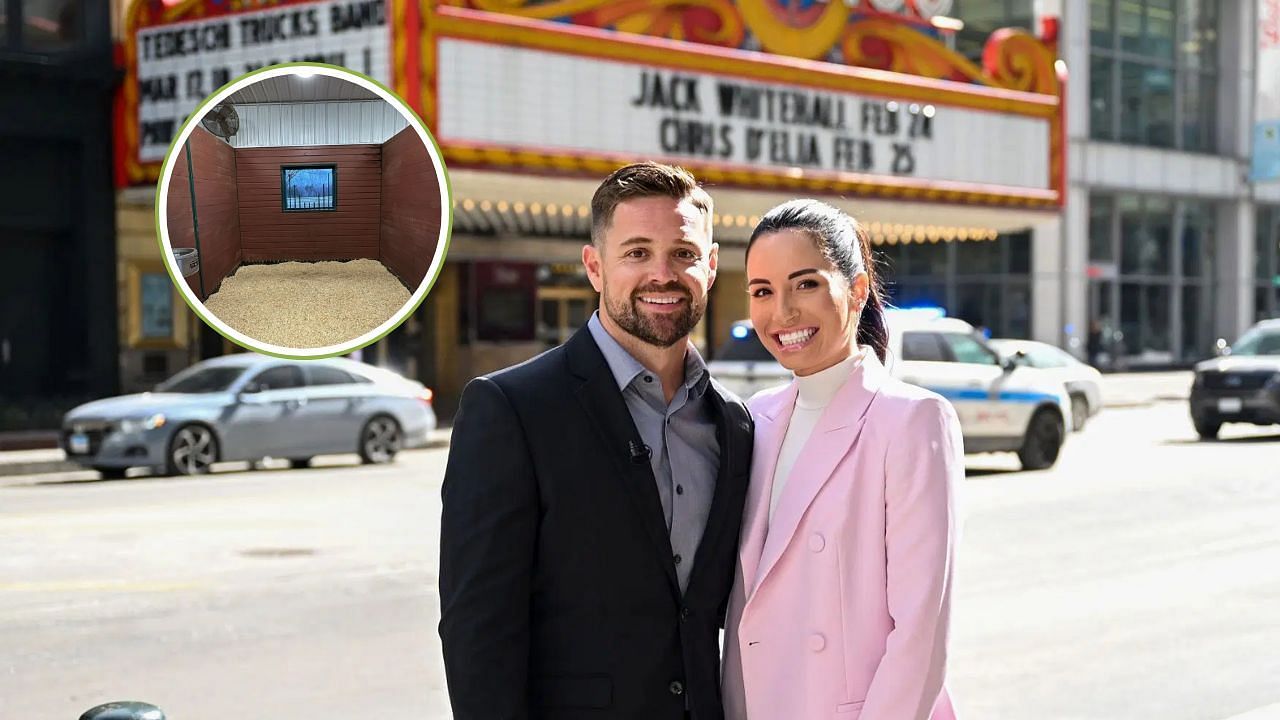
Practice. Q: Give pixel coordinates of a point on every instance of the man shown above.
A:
(593, 495)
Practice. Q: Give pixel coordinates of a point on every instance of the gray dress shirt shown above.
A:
(681, 436)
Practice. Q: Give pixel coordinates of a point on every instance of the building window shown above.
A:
(983, 17)
(1267, 264)
(314, 187)
(1101, 233)
(52, 25)
(1146, 228)
(1158, 303)
(500, 302)
(50, 28)
(157, 306)
(1153, 72)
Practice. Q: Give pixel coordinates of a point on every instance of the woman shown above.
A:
(841, 604)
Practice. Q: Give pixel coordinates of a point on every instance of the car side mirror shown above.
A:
(124, 711)
(251, 388)
(1221, 348)
(1012, 362)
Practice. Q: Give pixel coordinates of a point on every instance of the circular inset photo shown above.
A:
(304, 211)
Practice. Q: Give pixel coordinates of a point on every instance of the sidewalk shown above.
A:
(44, 460)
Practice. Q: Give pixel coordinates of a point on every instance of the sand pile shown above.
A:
(307, 305)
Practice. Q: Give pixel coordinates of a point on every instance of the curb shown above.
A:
(28, 440)
(14, 467)
(39, 467)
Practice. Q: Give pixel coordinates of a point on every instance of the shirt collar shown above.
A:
(626, 368)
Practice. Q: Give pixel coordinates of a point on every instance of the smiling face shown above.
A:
(802, 307)
(652, 268)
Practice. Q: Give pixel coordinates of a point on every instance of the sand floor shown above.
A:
(308, 304)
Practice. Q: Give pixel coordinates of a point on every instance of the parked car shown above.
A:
(249, 407)
(1083, 383)
(1243, 385)
(1002, 406)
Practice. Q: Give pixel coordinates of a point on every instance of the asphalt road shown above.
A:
(1138, 579)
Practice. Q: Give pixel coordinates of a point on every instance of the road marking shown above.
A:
(100, 585)
(1270, 712)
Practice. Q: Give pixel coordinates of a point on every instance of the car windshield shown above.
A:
(1258, 342)
(971, 349)
(747, 349)
(202, 380)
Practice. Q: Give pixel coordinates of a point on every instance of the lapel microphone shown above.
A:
(640, 453)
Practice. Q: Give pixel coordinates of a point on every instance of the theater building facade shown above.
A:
(956, 166)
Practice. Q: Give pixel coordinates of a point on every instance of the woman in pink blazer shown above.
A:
(841, 604)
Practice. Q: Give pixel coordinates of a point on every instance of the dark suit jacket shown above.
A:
(558, 590)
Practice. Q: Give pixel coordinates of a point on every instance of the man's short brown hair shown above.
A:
(644, 180)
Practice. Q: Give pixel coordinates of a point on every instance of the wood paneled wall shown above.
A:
(268, 233)
(410, 208)
(217, 208)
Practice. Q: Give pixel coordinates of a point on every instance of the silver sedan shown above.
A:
(249, 407)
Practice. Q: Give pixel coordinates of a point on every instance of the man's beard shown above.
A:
(663, 330)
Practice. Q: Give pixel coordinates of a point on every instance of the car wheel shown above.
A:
(193, 450)
(112, 473)
(379, 440)
(1079, 412)
(1207, 428)
(300, 463)
(1043, 441)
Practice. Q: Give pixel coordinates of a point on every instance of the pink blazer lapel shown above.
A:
(771, 421)
(832, 439)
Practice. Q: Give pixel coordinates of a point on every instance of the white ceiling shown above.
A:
(292, 89)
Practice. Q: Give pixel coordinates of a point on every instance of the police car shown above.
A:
(1003, 406)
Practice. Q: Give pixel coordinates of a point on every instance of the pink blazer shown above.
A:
(840, 607)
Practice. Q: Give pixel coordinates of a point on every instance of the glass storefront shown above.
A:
(1151, 296)
(565, 301)
(986, 283)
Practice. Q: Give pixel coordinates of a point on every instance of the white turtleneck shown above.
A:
(815, 393)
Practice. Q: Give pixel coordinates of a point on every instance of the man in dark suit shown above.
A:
(593, 496)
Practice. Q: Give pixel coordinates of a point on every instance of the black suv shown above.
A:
(1241, 386)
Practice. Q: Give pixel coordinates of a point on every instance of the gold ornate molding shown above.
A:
(712, 22)
(1013, 59)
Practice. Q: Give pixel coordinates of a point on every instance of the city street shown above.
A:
(1135, 580)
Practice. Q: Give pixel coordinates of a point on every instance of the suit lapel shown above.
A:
(730, 439)
(616, 431)
(771, 427)
(832, 439)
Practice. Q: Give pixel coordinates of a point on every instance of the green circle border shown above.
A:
(199, 113)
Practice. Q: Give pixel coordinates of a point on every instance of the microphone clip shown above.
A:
(640, 453)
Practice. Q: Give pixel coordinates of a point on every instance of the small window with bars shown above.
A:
(310, 187)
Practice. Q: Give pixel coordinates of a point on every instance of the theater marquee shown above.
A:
(176, 54)
(507, 92)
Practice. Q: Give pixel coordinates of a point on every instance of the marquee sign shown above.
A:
(506, 92)
(178, 54)
(524, 98)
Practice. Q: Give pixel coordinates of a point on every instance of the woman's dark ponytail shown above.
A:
(873, 326)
